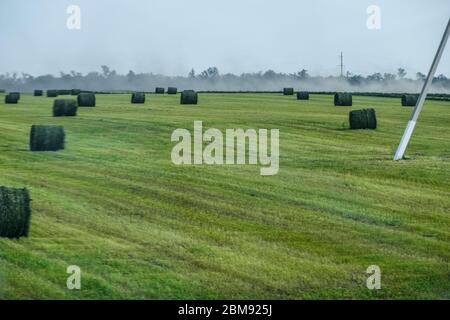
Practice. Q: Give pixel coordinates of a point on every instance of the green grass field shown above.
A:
(140, 227)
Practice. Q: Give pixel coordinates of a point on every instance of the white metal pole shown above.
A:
(415, 115)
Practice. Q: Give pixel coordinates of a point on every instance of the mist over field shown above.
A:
(212, 80)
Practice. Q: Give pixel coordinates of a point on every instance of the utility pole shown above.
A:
(342, 64)
(415, 115)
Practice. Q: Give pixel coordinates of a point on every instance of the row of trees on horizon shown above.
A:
(212, 79)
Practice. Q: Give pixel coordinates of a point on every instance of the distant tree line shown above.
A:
(212, 79)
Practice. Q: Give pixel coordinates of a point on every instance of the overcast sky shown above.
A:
(172, 36)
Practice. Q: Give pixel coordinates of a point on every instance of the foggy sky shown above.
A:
(172, 36)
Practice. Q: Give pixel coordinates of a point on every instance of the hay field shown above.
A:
(140, 227)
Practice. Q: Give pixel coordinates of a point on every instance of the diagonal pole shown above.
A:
(418, 108)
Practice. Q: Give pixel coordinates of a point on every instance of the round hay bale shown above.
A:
(38, 93)
(172, 90)
(303, 95)
(138, 97)
(159, 90)
(46, 138)
(189, 97)
(11, 99)
(288, 91)
(59, 107)
(65, 108)
(343, 99)
(357, 119)
(15, 212)
(52, 93)
(363, 119)
(409, 100)
(86, 99)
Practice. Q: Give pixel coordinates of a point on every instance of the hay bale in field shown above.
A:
(343, 99)
(65, 108)
(189, 97)
(86, 100)
(409, 100)
(11, 99)
(363, 119)
(52, 93)
(288, 91)
(15, 212)
(38, 93)
(172, 90)
(159, 90)
(303, 95)
(138, 97)
(75, 92)
(46, 138)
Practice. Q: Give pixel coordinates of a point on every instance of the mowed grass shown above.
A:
(140, 227)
